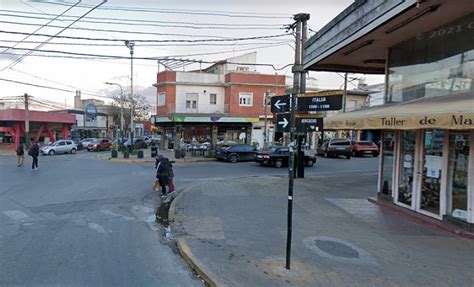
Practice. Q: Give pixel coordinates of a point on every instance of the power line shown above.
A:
(55, 35)
(178, 11)
(116, 31)
(153, 41)
(155, 23)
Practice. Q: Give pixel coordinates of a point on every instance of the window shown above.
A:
(242, 68)
(161, 99)
(62, 143)
(191, 101)
(213, 99)
(245, 99)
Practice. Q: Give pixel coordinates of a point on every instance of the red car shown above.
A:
(99, 144)
(362, 148)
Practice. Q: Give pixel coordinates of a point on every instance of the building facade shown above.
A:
(426, 51)
(215, 105)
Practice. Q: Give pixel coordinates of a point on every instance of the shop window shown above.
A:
(407, 167)
(245, 99)
(432, 170)
(458, 167)
(388, 153)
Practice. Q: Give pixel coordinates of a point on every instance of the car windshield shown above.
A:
(96, 140)
(340, 143)
(273, 150)
(366, 143)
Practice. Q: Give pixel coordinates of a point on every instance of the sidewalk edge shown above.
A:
(422, 220)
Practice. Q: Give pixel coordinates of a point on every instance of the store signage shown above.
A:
(90, 114)
(312, 102)
(280, 104)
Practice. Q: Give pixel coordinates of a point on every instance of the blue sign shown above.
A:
(90, 113)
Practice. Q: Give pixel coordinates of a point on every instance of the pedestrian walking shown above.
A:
(20, 152)
(162, 173)
(34, 153)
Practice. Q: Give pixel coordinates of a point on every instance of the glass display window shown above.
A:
(388, 155)
(407, 167)
(458, 171)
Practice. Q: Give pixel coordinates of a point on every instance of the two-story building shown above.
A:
(223, 103)
(426, 51)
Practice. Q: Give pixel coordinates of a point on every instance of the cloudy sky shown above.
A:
(54, 44)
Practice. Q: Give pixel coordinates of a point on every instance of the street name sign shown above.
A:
(283, 122)
(308, 123)
(312, 102)
(280, 104)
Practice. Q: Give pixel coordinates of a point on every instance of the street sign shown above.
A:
(280, 104)
(308, 123)
(283, 122)
(311, 102)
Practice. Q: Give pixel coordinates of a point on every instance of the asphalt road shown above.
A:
(83, 221)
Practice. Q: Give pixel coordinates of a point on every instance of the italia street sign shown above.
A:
(313, 102)
(283, 122)
(308, 123)
(280, 104)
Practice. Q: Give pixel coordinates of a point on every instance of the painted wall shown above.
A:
(203, 103)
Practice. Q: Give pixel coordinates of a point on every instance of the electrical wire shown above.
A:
(150, 23)
(153, 41)
(177, 11)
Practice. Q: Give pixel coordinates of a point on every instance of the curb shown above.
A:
(422, 219)
(208, 276)
(120, 160)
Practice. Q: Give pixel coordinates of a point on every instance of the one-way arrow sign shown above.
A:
(283, 122)
(280, 104)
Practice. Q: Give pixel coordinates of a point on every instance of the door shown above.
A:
(406, 176)
(191, 102)
(62, 147)
(429, 195)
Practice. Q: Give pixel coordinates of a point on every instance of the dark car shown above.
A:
(279, 156)
(235, 153)
(78, 143)
(361, 148)
(335, 147)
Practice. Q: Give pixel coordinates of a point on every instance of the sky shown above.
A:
(72, 58)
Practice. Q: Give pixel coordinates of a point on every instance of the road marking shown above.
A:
(96, 227)
(15, 214)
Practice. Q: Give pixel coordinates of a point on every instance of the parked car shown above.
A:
(99, 144)
(362, 148)
(136, 141)
(335, 147)
(78, 143)
(57, 147)
(235, 153)
(279, 156)
(85, 142)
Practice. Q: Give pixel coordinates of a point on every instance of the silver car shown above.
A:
(61, 146)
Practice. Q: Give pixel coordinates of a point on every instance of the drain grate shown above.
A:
(336, 248)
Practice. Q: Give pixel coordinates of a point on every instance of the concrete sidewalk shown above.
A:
(234, 234)
(148, 159)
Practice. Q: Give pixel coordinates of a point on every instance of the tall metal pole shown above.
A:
(130, 46)
(265, 131)
(344, 96)
(122, 121)
(27, 123)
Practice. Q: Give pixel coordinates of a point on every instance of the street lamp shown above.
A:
(130, 45)
(121, 107)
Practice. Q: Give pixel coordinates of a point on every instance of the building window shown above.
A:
(351, 105)
(191, 102)
(161, 99)
(245, 99)
(213, 99)
(388, 155)
(242, 69)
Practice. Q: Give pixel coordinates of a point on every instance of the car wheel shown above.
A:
(73, 151)
(310, 163)
(51, 152)
(278, 163)
(233, 158)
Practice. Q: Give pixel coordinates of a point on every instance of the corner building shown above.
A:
(426, 51)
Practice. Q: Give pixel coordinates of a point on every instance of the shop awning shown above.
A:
(445, 112)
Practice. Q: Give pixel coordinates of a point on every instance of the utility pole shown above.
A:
(265, 131)
(27, 123)
(121, 107)
(344, 95)
(297, 69)
(130, 45)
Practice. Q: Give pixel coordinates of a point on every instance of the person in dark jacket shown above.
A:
(162, 173)
(20, 152)
(34, 152)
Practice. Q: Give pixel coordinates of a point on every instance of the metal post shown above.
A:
(130, 46)
(27, 123)
(344, 95)
(265, 131)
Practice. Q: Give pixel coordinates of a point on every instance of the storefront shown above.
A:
(210, 130)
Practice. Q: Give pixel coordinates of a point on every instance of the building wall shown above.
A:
(166, 83)
(203, 103)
